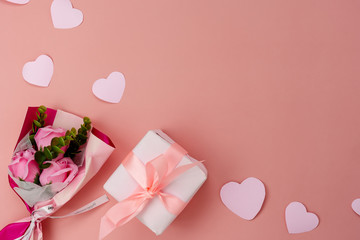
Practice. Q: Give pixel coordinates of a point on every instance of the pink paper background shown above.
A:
(268, 89)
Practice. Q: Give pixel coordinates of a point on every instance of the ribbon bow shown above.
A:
(36, 217)
(152, 178)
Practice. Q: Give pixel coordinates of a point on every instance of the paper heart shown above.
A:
(64, 16)
(39, 72)
(110, 89)
(355, 205)
(18, 1)
(298, 220)
(245, 199)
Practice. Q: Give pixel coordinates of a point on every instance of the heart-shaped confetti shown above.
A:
(244, 199)
(298, 220)
(18, 1)
(39, 72)
(110, 89)
(355, 205)
(64, 16)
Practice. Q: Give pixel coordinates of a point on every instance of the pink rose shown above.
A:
(44, 136)
(24, 166)
(63, 170)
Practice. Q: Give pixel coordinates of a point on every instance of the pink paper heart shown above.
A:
(355, 205)
(245, 199)
(18, 1)
(64, 16)
(39, 72)
(298, 220)
(110, 89)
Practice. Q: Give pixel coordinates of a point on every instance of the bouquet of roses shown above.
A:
(56, 155)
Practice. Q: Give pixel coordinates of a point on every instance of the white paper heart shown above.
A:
(355, 205)
(245, 199)
(110, 89)
(18, 1)
(298, 220)
(64, 16)
(39, 72)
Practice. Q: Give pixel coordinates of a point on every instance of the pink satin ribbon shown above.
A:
(152, 178)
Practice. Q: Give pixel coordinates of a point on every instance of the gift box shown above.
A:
(183, 178)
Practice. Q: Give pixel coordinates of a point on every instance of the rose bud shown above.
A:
(44, 136)
(63, 170)
(24, 166)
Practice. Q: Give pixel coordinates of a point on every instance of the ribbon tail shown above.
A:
(120, 214)
(14, 230)
(172, 203)
(38, 234)
(90, 206)
(30, 231)
(106, 227)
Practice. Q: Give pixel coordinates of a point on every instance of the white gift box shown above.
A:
(155, 216)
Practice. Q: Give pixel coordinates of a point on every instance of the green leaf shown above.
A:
(86, 120)
(44, 166)
(61, 141)
(55, 154)
(42, 109)
(48, 153)
(57, 149)
(75, 144)
(40, 157)
(32, 140)
(55, 141)
(37, 179)
(82, 137)
(37, 123)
